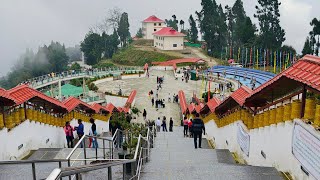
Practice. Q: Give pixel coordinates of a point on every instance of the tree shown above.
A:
(123, 29)
(75, 66)
(213, 26)
(193, 30)
(288, 48)
(92, 47)
(110, 22)
(307, 47)
(111, 43)
(247, 33)
(181, 25)
(316, 32)
(139, 33)
(57, 57)
(271, 34)
(172, 22)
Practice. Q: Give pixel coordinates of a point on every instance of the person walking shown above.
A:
(158, 124)
(152, 101)
(144, 114)
(68, 130)
(94, 133)
(198, 128)
(80, 131)
(164, 124)
(185, 126)
(170, 124)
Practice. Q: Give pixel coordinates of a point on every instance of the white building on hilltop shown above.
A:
(168, 39)
(151, 25)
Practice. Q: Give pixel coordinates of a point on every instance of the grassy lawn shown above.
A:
(136, 57)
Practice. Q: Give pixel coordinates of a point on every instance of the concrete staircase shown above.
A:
(174, 157)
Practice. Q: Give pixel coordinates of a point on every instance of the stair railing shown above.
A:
(141, 156)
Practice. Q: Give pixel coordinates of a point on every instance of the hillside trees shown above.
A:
(193, 31)
(271, 34)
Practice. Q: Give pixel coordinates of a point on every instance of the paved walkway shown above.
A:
(174, 157)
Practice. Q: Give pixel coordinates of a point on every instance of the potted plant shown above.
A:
(125, 146)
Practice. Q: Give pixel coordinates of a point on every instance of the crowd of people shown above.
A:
(68, 129)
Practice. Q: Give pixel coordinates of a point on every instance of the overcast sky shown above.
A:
(33, 23)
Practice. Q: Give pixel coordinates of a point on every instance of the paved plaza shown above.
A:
(144, 85)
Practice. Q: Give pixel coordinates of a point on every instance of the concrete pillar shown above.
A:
(59, 84)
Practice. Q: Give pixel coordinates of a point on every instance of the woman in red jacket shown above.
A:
(68, 130)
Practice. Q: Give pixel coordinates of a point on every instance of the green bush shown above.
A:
(135, 57)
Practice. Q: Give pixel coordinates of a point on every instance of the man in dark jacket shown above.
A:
(198, 127)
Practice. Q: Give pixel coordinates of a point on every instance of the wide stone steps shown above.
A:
(174, 157)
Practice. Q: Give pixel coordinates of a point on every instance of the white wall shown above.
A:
(34, 135)
(149, 29)
(275, 141)
(169, 41)
(166, 43)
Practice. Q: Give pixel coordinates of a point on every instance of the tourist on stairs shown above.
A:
(68, 129)
(170, 124)
(185, 127)
(80, 131)
(198, 128)
(190, 128)
(94, 133)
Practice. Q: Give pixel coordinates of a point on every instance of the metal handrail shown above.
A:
(31, 161)
(58, 173)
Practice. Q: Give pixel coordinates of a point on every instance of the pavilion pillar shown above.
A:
(3, 115)
(59, 84)
(25, 111)
(303, 101)
(84, 86)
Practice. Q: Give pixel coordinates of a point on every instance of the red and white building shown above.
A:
(151, 25)
(168, 39)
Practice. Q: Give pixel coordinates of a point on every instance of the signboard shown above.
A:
(306, 148)
(243, 139)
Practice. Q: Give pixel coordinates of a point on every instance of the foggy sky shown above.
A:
(33, 23)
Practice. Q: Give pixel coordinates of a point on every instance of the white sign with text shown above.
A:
(306, 148)
(243, 139)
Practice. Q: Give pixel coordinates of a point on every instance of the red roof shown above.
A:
(71, 103)
(168, 31)
(174, 62)
(183, 102)
(98, 107)
(199, 107)
(191, 107)
(5, 98)
(306, 71)
(212, 104)
(153, 19)
(24, 93)
(111, 108)
(131, 97)
(241, 94)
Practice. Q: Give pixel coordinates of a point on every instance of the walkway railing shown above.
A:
(141, 156)
(52, 78)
